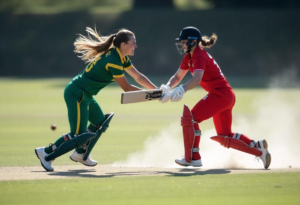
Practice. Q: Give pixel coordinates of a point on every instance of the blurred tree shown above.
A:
(193, 4)
(9, 5)
(153, 4)
(256, 3)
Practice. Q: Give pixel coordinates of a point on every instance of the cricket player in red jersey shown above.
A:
(218, 103)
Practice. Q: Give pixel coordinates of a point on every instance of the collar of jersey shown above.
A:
(121, 57)
(195, 51)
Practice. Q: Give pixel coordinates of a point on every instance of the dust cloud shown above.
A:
(158, 150)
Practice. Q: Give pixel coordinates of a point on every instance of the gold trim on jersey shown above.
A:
(78, 118)
(121, 57)
(113, 66)
(118, 76)
(128, 67)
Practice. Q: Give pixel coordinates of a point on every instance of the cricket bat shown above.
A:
(141, 96)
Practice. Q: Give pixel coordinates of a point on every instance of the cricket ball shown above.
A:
(53, 126)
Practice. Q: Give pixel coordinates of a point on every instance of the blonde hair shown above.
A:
(207, 42)
(93, 45)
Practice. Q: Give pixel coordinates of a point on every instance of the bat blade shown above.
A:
(141, 96)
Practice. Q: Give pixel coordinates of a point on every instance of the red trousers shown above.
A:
(218, 103)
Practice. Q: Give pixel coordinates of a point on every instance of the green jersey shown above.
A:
(102, 71)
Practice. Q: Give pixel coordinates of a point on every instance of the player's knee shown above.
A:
(92, 128)
(196, 116)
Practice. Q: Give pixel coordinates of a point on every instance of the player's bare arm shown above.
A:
(122, 81)
(140, 78)
(177, 77)
(174, 81)
(193, 82)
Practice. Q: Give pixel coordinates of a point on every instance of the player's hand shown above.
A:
(165, 98)
(177, 93)
(165, 88)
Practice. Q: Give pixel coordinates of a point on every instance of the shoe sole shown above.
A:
(83, 163)
(184, 165)
(187, 165)
(41, 161)
(268, 155)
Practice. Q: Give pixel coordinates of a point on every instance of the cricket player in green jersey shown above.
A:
(107, 58)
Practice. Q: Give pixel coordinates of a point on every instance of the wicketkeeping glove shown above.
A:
(177, 93)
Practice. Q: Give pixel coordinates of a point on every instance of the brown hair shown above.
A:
(93, 45)
(207, 42)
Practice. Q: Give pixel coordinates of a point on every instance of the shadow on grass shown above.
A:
(80, 173)
(191, 172)
(92, 173)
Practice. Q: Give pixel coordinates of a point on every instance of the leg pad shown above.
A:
(98, 133)
(234, 143)
(78, 141)
(188, 130)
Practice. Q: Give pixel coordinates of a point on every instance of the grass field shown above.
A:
(28, 107)
(208, 189)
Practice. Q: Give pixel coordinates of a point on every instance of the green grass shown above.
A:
(203, 189)
(28, 107)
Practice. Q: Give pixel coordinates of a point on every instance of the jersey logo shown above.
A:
(108, 53)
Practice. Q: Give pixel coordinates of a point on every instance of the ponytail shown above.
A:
(207, 42)
(92, 46)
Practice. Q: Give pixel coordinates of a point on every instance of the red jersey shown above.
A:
(201, 60)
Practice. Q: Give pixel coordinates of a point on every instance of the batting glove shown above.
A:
(165, 98)
(165, 88)
(177, 93)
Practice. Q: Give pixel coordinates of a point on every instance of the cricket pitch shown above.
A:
(104, 171)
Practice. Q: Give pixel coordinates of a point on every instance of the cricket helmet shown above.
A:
(188, 33)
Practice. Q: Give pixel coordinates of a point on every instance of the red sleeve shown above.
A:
(199, 62)
(185, 62)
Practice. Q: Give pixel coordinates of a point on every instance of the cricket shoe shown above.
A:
(193, 163)
(41, 154)
(76, 157)
(266, 156)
